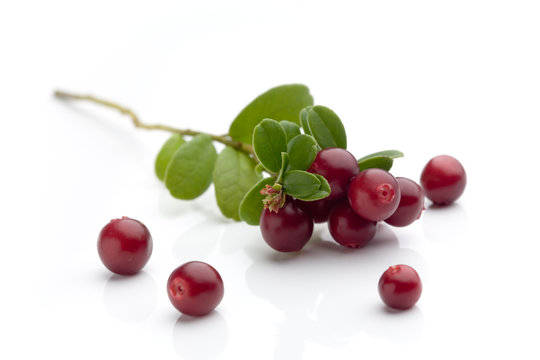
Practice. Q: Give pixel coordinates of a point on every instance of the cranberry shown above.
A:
(349, 229)
(318, 209)
(400, 287)
(411, 203)
(337, 166)
(287, 230)
(374, 194)
(443, 179)
(195, 288)
(124, 245)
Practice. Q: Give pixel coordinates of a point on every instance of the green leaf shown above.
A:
(291, 129)
(251, 205)
(282, 102)
(234, 175)
(189, 173)
(302, 151)
(284, 165)
(165, 154)
(323, 191)
(298, 183)
(269, 141)
(303, 116)
(382, 160)
(326, 127)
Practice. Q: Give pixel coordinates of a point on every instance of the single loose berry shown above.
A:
(400, 287)
(318, 209)
(337, 166)
(443, 179)
(374, 194)
(287, 230)
(195, 288)
(349, 229)
(124, 245)
(411, 203)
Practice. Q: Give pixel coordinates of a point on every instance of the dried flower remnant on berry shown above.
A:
(274, 199)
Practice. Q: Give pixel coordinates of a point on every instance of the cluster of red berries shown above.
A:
(358, 201)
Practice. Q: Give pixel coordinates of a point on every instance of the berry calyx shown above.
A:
(443, 179)
(374, 194)
(288, 230)
(349, 229)
(411, 203)
(124, 246)
(195, 288)
(337, 166)
(400, 287)
(275, 198)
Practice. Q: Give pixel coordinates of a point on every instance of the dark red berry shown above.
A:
(349, 229)
(374, 194)
(287, 230)
(411, 203)
(337, 166)
(443, 179)
(318, 209)
(400, 287)
(195, 288)
(124, 246)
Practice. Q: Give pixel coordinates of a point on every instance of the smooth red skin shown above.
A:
(195, 288)
(124, 246)
(288, 230)
(349, 229)
(318, 209)
(411, 203)
(367, 201)
(337, 166)
(400, 287)
(443, 179)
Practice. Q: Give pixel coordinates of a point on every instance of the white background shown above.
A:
(424, 77)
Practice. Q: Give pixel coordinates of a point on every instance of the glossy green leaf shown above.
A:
(302, 151)
(269, 141)
(298, 183)
(382, 160)
(284, 165)
(326, 127)
(234, 175)
(303, 116)
(282, 102)
(251, 205)
(323, 191)
(189, 172)
(165, 154)
(291, 129)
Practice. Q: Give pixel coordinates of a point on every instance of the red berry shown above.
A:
(287, 230)
(443, 179)
(349, 229)
(411, 203)
(124, 246)
(318, 209)
(195, 288)
(400, 287)
(337, 166)
(374, 194)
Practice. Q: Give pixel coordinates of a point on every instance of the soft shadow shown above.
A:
(399, 326)
(202, 337)
(445, 223)
(130, 298)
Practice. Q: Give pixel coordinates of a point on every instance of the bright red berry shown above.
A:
(318, 209)
(411, 203)
(337, 166)
(443, 179)
(374, 194)
(400, 287)
(195, 288)
(287, 230)
(124, 246)
(349, 229)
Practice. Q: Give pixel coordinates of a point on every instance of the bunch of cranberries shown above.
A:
(357, 202)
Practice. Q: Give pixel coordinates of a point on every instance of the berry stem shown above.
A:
(224, 139)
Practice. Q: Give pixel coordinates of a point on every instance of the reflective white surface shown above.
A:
(423, 77)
